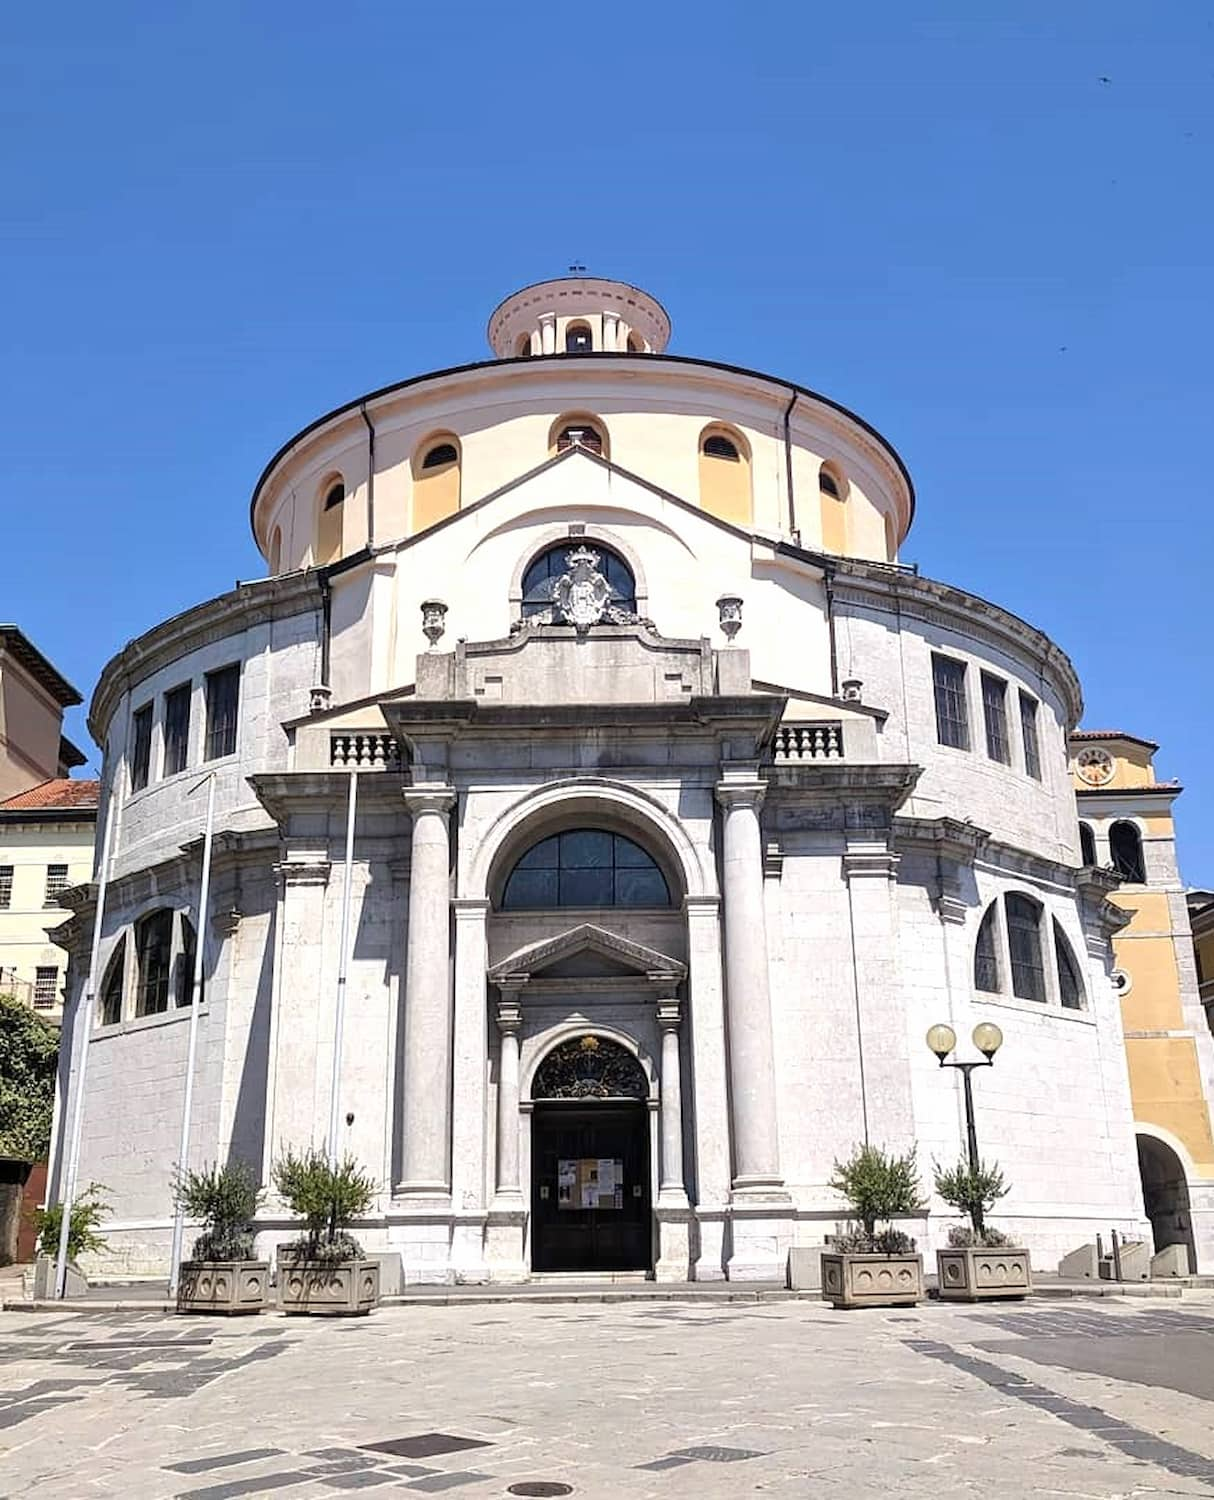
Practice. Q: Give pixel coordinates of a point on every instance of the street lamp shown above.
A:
(988, 1039)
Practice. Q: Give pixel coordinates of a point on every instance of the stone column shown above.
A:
(509, 1023)
(709, 1093)
(547, 333)
(747, 997)
(611, 328)
(671, 1189)
(469, 1070)
(426, 1075)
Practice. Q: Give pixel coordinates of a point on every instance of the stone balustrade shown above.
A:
(364, 751)
(813, 741)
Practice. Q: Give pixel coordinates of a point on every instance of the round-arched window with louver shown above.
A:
(590, 1067)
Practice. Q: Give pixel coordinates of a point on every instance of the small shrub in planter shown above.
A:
(88, 1210)
(222, 1274)
(324, 1270)
(870, 1266)
(979, 1262)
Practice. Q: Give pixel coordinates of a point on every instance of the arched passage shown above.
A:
(1165, 1194)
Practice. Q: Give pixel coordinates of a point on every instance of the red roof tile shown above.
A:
(60, 791)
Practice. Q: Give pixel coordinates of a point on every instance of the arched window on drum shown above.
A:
(540, 579)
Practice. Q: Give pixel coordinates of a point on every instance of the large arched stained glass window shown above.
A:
(585, 867)
(540, 579)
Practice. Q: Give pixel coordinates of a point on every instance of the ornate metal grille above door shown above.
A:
(590, 1067)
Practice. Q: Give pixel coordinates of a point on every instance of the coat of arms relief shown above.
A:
(582, 596)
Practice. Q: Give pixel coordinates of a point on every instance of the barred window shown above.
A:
(176, 729)
(994, 712)
(153, 957)
(1070, 988)
(223, 697)
(56, 883)
(141, 750)
(1024, 943)
(1028, 733)
(112, 987)
(6, 886)
(46, 987)
(986, 952)
(952, 715)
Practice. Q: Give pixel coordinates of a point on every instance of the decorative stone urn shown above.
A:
(871, 1280)
(977, 1272)
(340, 1289)
(223, 1286)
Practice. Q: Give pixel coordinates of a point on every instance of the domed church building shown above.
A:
(683, 807)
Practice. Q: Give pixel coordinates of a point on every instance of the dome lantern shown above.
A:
(578, 315)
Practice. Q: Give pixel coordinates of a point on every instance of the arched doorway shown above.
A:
(590, 1181)
(1165, 1196)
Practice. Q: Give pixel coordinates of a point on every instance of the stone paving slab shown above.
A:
(621, 1399)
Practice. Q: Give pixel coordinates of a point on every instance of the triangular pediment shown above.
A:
(585, 950)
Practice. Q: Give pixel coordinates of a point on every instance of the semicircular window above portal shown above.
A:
(590, 1067)
(543, 574)
(585, 867)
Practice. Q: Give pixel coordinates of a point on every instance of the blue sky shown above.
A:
(987, 229)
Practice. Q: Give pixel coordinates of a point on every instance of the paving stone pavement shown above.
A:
(667, 1400)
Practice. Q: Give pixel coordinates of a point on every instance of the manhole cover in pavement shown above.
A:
(540, 1487)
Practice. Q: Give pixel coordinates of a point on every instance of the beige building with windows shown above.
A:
(684, 805)
(47, 821)
(1126, 826)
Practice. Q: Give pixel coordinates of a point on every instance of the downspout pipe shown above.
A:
(792, 509)
(370, 475)
(326, 624)
(828, 583)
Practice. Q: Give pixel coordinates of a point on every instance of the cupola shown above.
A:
(578, 315)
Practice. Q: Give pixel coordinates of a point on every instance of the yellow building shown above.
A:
(47, 821)
(1125, 823)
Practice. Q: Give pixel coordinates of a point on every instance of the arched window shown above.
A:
(523, 348)
(1024, 944)
(725, 475)
(1070, 987)
(436, 479)
(580, 435)
(1125, 846)
(589, 1067)
(153, 962)
(585, 867)
(184, 962)
(539, 581)
(1087, 844)
(635, 346)
(832, 505)
(578, 338)
(329, 525)
(986, 952)
(113, 985)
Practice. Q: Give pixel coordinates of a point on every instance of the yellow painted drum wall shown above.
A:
(1166, 1088)
(834, 523)
(328, 532)
(435, 494)
(725, 482)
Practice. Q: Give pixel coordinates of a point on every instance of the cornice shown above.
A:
(866, 586)
(242, 608)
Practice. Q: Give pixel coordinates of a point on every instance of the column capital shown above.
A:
(748, 793)
(870, 863)
(702, 906)
(429, 799)
(670, 1012)
(470, 908)
(509, 1015)
(303, 871)
(226, 921)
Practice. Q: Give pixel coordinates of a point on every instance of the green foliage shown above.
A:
(329, 1198)
(29, 1049)
(88, 1210)
(879, 1186)
(971, 1190)
(225, 1198)
(962, 1237)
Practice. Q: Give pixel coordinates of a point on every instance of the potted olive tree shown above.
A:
(89, 1209)
(979, 1262)
(324, 1271)
(222, 1275)
(868, 1266)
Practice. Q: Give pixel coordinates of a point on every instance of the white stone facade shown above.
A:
(827, 862)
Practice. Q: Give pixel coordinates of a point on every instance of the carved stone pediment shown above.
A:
(616, 954)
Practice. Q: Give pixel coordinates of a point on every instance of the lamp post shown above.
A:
(988, 1039)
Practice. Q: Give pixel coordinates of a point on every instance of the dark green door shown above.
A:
(590, 1187)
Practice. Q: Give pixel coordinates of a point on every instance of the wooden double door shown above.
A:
(590, 1187)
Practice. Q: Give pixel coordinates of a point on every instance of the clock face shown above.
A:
(1095, 766)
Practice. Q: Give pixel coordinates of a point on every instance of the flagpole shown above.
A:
(84, 1027)
(183, 1154)
(343, 963)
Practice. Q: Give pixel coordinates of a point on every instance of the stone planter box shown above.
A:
(983, 1271)
(343, 1289)
(223, 1286)
(872, 1280)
